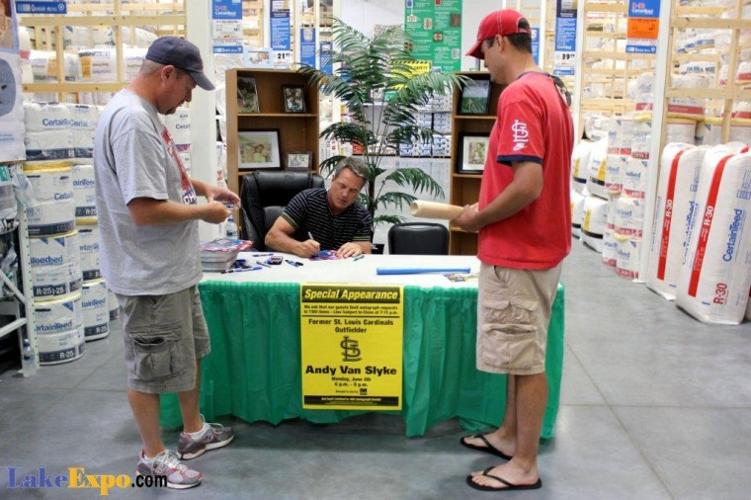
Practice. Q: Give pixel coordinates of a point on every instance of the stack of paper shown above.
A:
(221, 253)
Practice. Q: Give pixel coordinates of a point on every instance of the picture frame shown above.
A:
(475, 98)
(299, 160)
(247, 95)
(293, 99)
(258, 149)
(474, 151)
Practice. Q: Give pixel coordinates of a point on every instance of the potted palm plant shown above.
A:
(375, 79)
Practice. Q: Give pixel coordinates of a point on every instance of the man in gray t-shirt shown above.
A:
(148, 219)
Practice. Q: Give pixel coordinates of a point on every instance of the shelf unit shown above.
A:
(297, 131)
(720, 99)
(616, 68)
(465, 188)
(48, 34)
(19, 303)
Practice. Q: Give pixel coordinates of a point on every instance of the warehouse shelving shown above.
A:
(675, 20)
(48, 34)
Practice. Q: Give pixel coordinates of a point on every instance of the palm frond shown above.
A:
(388, 219)
(395, 199)
(419, 181)
(349, 132)
(328, 165)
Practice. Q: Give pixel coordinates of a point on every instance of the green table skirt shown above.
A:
(253, 370)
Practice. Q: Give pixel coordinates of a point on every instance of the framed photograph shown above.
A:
(247, 95)
(294, 99)
(475, 98)
(474, 150)
(259, 149)
(299, 160)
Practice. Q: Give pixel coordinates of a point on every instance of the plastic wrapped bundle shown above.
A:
(674, 208)
(716, 276)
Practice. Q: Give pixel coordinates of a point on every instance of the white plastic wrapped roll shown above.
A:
(580, 165)
(635, 178)
(744, 72)
(674, 208)
(43, 117)
(628, 256)
(50, 145)
(641, 139)
(594, 222)
(740, 133)
(44, 66)
(708, 134)
(645, 94)
(616, 166)
(577, 213)
(609, 247)
(681, 131)
(83, 120)
(715, 279)
(688, 105)
(597, 168)
(629, 217)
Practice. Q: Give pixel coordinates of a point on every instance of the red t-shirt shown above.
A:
(533, 124)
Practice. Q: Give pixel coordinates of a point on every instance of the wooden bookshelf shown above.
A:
(465, 188)
(298, 132)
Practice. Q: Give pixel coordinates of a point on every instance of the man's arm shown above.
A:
(149, 211)
(279, 237)
(352, 248)
(521, 192)
(212, 193)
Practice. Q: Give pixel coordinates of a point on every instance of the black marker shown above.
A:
(293, 263)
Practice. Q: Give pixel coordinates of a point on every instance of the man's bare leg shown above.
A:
(145, 409)
(531, 399)
(504, 437)
(190, 405)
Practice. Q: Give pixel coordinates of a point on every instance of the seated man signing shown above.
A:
(316, 219)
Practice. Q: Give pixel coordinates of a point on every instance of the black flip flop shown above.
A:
(489, 448)
(508, 486)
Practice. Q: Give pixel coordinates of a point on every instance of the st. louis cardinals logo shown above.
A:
(520, 135)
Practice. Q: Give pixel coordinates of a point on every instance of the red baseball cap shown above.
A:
(503, 22)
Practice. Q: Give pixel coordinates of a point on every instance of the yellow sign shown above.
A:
(351, 341)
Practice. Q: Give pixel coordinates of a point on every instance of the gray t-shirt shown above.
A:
(134, 157)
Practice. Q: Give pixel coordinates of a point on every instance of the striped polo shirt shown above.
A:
(309, 212)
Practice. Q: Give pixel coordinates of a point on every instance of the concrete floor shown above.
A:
(654, 405)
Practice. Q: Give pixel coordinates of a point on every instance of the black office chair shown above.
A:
(419, 238)
(264, 195)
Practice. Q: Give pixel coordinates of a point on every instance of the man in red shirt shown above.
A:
(524, 223)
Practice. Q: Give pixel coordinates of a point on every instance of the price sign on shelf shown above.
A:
(643, 26)
(42, 7)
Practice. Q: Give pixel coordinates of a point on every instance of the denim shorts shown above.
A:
(513, 312)
(165, 336)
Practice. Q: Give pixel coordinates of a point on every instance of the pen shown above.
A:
(262, 254)
(310, 235)
(262, 263)
(237, 270)
(358, 257)
(293, 263)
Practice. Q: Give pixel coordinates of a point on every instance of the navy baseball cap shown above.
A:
(180, 53)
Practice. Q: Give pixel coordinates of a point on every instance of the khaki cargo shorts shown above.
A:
(164, 337)
(513, 311)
